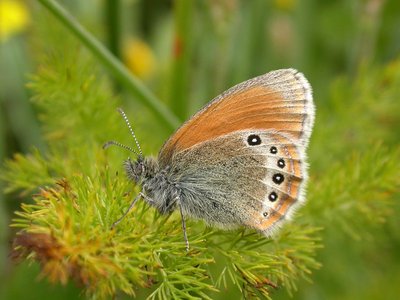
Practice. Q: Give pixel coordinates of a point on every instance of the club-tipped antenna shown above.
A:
(131, 130)
(114, 143)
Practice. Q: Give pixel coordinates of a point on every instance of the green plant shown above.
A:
(78, 193)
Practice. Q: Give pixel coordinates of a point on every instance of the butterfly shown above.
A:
(239, 161)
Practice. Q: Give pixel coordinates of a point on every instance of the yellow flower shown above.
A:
(287, 5)
(14, 18)
(139, 58)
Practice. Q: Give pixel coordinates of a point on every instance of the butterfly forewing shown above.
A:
(280, 100)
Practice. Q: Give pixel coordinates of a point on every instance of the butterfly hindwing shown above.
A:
(233, 182)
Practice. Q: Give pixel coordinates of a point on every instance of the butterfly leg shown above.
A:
(184, 229)
(148, 199)
(128, 210)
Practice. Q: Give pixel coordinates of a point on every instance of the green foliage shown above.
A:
(78, 197)
(343, 243)
(359, 150)
(363, 185)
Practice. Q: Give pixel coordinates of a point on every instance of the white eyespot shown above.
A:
(254, 140)
(281, 163)
(278, 178)
(272, 196)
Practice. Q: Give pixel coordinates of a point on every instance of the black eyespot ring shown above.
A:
(278, 178)
(273, 150)
(281, 163)
(265, 214)
(254, 140)
(272, 197)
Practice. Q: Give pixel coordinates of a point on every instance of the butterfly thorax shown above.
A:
(159, 190)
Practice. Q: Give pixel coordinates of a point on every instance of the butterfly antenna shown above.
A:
(110, 143)
(131, 130)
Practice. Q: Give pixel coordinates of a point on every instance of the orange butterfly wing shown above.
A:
(280, 100)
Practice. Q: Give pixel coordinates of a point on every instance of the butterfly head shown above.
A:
(135, 169)
(140, 169)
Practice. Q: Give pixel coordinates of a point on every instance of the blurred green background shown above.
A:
(347, 49)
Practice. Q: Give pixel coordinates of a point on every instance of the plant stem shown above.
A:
(181, 58)
(113, 16)
(120, 72)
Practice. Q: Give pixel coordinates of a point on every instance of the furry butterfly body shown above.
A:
(240, 161)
